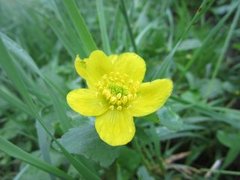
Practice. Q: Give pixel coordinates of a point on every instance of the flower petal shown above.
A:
(86, 102)
(115, 127)
(151, 96)
(113, 58)
(132, 65)
(98, 64)
(81, 67)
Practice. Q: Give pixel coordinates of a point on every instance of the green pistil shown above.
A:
(115, 89)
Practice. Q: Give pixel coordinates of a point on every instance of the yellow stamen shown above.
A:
(119, 108)
(117, 89)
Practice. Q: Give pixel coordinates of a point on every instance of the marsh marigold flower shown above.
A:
(116, 94)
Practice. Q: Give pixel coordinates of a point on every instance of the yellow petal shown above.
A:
(115, 127)
(113, 58)
(86, 102)
(98, 64)
(81, 67)
(132, 65)
(151, 96)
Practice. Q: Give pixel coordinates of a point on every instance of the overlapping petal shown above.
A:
(113, 58)
(132, 65)
(86, 102)
(81, 67)
(93, 68)
(115, 127)
(98, 65)
(151, 96)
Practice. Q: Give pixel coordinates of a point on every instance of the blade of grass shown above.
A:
(14, 48)
(44, 145)
(80, 26)
(207, 40)
(103, 29)
(80, 167)
(125, 15)
(224, 49)
(226, 172)
(163, 69)
(227, 41)
(58, 106)
(63, 39)
(15, 76)
(66, 34)
(217, 114)
(29, 62)
(18, 153)
(13, 100)
(7, 64)
(21, 172)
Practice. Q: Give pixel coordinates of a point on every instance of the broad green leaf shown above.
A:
(85, 141)
(230, 140)
(143, 174)
(127, 162)
(129, 159)
(169, 118)
(231, 156)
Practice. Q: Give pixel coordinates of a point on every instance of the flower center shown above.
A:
(118, 90)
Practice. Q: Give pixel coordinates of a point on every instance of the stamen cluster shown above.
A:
(118, 90)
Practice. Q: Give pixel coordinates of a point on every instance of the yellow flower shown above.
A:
(116, 94)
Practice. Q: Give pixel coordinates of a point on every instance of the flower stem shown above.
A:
(123, 9)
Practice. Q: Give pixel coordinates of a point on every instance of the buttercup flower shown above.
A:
(116, 94)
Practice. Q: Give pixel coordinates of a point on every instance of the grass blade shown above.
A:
(227, 41)
(224, 49)
(207, 40)
(102, 23)
(44, 145)
(13, 100)
(9, 67)
(80, 26)
(15, 76)
(125, 15)
(18, 153)
(163, 69)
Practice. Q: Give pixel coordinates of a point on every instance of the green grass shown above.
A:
(195, 43)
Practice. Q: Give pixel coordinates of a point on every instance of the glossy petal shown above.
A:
(113, 58)
(115, 127)
(81, 67)
(151, 96)
(98, 64)
(132, 65)
(86, 102)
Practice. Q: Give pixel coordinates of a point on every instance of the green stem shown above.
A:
(123, 8)
(80, 26)
(103, 27)
(227, 41)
